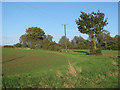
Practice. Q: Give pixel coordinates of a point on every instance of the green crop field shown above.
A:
(49, 69)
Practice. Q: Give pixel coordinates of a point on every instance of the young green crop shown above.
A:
(49, 69)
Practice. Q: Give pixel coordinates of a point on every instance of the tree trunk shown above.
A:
(94, 50)
(94, 43)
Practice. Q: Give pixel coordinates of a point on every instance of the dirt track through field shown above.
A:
(14, 58)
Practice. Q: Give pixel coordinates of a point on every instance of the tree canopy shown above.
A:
(62, 40)
(32, 36)
(35, 33)
(92, 24)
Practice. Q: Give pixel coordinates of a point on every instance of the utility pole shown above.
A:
(65, 37)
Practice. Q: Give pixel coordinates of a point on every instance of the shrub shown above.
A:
(54, 48)
(45, 46)
(32, 47)
(18, 45)
(8, 46)
(57, 48)
(95, 51)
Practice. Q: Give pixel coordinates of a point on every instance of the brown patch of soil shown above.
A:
(53, 53)
(27, 49)
(72, 70)
(110, 55)
(114, 63)
(24, 48)
(6, 57)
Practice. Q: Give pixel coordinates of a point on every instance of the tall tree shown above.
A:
(46, 41)
(92, 24)
(32, 36)
(49, 38)
(35, 33)
(23, 40)
(62, 41)
(77, 39)
(103, 38)
(117, 42)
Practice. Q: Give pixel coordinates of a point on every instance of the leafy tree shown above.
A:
(45, 44)
(46, 41)
(108, 42)
(92, 24)
(32, 45)
(35, 33)
(32, 36)
(49, 38)
(102, 38)
(117, 42)
(17, 45)
(62, 41)
(23, 40)
(78, 42)
(53, 46)
(35, 38)
(77, 39)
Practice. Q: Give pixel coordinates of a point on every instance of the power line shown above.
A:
(46, 14)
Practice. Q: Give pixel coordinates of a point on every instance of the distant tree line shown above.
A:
(90, 24)
(104, 41)
(36, 38)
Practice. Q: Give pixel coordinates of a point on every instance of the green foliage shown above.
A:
(24, 41)
(54, 47)
(49, 38)
(108, 42)
(79, 43)
(62, 41)
(8, 46)
(17, 45)
(92, 24)
(45, 44)
(33, 45)
(36, 38)
(33, 34)
(95, 52)
(77, 39)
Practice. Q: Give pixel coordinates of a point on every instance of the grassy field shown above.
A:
(49, 69)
